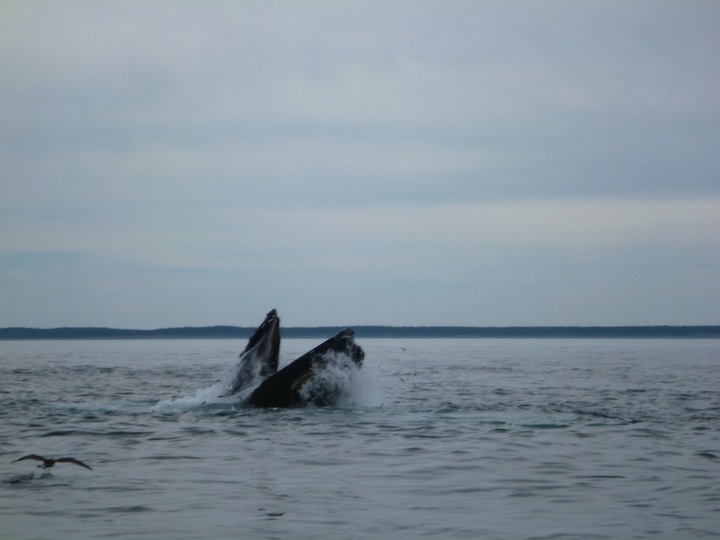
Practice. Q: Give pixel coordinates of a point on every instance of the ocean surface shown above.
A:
(435, 438)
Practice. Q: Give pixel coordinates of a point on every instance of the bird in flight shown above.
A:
(47, 463)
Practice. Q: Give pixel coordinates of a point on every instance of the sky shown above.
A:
(394, 162)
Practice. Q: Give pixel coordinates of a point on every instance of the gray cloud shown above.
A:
(412, 153)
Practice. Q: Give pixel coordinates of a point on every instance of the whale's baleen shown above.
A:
(260, 357)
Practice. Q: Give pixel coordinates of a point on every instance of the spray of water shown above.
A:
(247, 369)
(337, 380)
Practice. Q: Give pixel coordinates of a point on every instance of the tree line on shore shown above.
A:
(230, 332)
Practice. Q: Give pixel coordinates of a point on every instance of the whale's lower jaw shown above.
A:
(305, 380)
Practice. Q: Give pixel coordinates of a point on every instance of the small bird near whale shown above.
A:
(47, 463)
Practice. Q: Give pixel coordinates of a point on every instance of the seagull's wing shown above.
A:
(31, 456)
(73, 460)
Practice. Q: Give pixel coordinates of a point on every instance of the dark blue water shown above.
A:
(497, 439)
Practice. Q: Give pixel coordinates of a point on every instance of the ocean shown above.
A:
(434, 438)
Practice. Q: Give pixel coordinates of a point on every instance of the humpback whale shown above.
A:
(303, 381)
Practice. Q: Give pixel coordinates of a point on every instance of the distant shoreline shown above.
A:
(238, 332)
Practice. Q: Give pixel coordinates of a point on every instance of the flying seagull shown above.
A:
(47, 463)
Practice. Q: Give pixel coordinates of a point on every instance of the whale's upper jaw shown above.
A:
(261, 355)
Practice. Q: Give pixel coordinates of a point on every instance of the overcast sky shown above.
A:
(491, 163)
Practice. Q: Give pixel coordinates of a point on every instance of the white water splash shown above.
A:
(341, 382)
(212, 394)
(215, 393)
(365, 389)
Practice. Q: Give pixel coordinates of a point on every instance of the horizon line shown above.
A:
(363, 331)
(373, 326)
